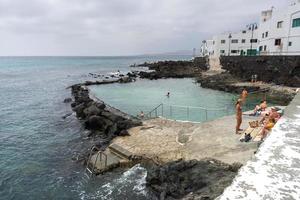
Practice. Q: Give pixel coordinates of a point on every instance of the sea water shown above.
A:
(37, 144)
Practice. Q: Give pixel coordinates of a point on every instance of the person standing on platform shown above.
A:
(238, 109)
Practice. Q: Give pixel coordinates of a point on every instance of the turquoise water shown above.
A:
(186, 102)
(36, 144)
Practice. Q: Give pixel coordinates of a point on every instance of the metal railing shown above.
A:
(100, 154)
(154, 113)
(278, 53)
(187, 113)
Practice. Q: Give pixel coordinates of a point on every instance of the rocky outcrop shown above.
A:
(281, 70)
(204, 179)
(229, 83)
(174, 69)
(223, 81)
(99, 118)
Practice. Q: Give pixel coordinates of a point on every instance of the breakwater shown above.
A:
(100, 119)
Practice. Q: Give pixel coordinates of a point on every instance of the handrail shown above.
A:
(154, 109)
(99, 154)
(202, 108)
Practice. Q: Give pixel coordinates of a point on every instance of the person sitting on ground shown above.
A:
(269, 124)
(260, 108)
(271, 114)
(238, 109)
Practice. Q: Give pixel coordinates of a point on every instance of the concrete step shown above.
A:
(120, 151)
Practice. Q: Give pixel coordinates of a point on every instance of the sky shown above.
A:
(119, 27)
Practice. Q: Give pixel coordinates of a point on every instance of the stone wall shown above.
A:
(281, 70)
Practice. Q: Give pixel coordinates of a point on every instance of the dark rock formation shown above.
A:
(97, 117)
(271, 69)
(229, 83)
(204, 179)
(223, 82)
(174, 69)
(67, 100)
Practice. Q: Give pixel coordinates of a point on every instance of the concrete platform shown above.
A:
(165, 140)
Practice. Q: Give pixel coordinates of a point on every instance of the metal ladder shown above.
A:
(90, 170)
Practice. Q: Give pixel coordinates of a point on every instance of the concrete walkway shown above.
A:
(165, 140)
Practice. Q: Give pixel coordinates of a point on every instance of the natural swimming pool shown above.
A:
(187, 101)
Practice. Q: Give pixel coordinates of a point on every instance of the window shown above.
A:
(263, 35)
(266, 34)
(279, 24)
(243, 40)
(213, 42)
(265, 48)
(296, 22)
(277, 42)
(244, 31)
(223, 41)
(222, 51)
(290, 44)
(253, 41)
(260, 48)
(234, 51)
(234, 41)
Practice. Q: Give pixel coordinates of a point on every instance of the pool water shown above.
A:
(188, 101)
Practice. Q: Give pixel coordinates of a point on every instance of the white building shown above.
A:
(278, 32)
(233, 44)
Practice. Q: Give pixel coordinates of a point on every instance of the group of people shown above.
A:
(269, 118)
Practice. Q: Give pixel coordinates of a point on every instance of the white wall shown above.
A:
(286, 33)
(230, 48)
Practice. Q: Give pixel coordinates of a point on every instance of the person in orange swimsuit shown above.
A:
(244, 95)
(238, 109)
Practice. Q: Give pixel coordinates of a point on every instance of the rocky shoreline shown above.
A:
(173, 69)
(102, 121)
(203, 179)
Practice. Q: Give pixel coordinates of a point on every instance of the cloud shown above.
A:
(118, 27)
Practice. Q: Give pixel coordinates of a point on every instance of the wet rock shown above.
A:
(66, 115)
(67, 100)
(97, 123)
(124, 133)
(127, 124)
(92, 110)
(111, 116)
(131, 75)
(79, 110)
(126, 79)
(73, 104)
(204, 179)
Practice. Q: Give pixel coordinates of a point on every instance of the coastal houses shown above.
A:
(277, 33)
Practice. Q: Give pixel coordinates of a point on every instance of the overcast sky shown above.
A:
(119, 27)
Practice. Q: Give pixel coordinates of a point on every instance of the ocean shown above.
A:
(37, 145)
